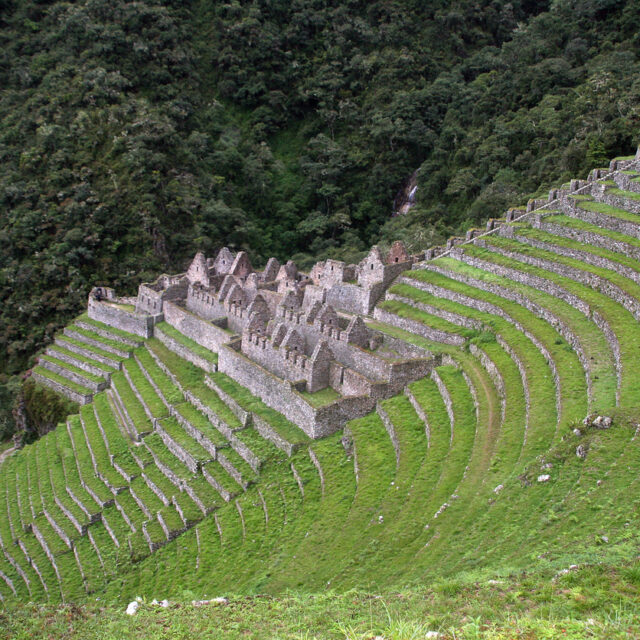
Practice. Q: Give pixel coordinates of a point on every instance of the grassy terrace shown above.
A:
(106, 343)
(631, 195)
(567, 243)
(171, 427)
(73, 369)
(321, 398)
(134, 408)
(200, 422)
(191, 377)
(96, 444)
(435, 322)
(539, 377)
(187, 342)
(57, 351)
(581, 225)
(108, 328)
(150, 368)
(592, 340)
(61, 380)
(285, 428)
(608, 210)
(67, 340)
(628, 286)
(621, 321)
(117, 445)
(146, 391)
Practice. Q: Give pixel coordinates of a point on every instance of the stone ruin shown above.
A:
(283, 333)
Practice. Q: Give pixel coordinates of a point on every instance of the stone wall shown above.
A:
(201, 331)
(569, 206)
(141, 325)
(64, 391)
(184, 352)
(587, 278)
(595, 239)
(279, 395)
(418, 328)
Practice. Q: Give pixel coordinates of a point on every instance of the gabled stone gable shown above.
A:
(198, 271)
(223, 262)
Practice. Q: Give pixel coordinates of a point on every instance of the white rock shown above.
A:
(498, 489)
(577, 432)
(202, 603)
(547, 466)
(132, 608)
(545, 477)
(604, 539)
(164, 604)
(581, 452)
(432, 634)
(573, 566)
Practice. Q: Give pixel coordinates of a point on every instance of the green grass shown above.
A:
(405, 310)
(539, 377)
(56, 349)
(285, 428)
(184, 440)
(200, 422)
(321, 398)
(631, 195)
(73, 369)
(105, 327)
(91, 335)
(187, 342)
(146, 391)
(621, 321)
(608, 210)
(90, 348)
(54, 377)
(560, 241)
(581, 225)
(572, 606)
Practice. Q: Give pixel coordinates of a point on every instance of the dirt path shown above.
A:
(6, 454)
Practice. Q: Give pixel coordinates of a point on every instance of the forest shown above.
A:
(134, 133)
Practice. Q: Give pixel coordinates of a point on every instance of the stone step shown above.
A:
(61, 385)
(89, 351)
(589, 234)
(129, 340)
(82, 335)
(72, 373)
(601, 215)
(80, 362)
(627, 180)
(418, 328)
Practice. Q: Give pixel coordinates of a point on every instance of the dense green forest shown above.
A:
(133, 133)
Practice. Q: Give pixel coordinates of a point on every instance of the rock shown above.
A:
(202, 603)
(432, 634)
(164, 604)
(604, 539)
(545, 477)
(498, 489)
(548, 465)
(577, 432)
(132, 608)
(581, 451)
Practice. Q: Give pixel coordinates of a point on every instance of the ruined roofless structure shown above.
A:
(283, 334)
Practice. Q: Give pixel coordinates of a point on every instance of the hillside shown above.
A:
(136, 133)
(518, 452)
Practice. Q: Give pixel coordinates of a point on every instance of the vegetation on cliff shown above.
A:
(134, 133)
